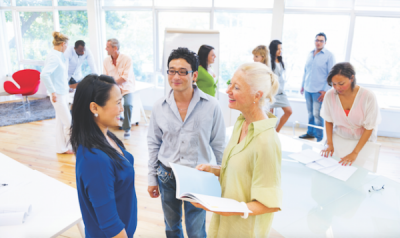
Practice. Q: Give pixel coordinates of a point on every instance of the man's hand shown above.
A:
(54, 97)
(153, 191)
(302, 91)
(321, 97)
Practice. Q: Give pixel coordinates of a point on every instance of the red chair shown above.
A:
(28, 80)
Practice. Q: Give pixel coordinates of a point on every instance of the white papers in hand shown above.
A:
(217, 204)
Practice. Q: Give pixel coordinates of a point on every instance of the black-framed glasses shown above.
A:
(322, 41)
(181, 72)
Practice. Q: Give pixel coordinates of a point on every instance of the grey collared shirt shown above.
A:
(189, 142)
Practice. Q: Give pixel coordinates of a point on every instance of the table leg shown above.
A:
(81, 228)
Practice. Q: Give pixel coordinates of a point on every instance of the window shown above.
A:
(319, 4)
(5, 3)
(32, 3)
(10, 39)
(245, 4)
(134, 30)
(240, 34)
(384, 5)
(128, 2)
(36, 31)
(299, 32)
(74, 24)
(376, 52)
(183, 3)
(72, 2)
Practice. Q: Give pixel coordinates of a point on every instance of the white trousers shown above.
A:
(63, 123)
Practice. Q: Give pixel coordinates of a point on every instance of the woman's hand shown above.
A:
(214, 169)
(204, 167)
(348, 159)
(226, 214)
(54, 97)
(328, 151)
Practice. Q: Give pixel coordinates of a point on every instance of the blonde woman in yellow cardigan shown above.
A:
(251, 165)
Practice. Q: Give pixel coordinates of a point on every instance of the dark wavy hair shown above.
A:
(186, 54)
(273, 48)
(84, 130)
(345, 69)
(204, 50)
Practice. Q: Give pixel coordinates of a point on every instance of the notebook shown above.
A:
(201, 187)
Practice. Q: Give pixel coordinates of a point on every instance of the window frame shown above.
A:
(15, 10)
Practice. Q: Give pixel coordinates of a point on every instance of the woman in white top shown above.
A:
(349, 110)
(55, 76)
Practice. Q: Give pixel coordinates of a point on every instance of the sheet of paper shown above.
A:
(218, 204)
(190, 180)
(306, 156)
(15, 207)
(329, 169)
(12, 219)
(343, 172)
(314, 165)
(327, 162)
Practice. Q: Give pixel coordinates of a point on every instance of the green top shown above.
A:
(206, 82)
(250, 170)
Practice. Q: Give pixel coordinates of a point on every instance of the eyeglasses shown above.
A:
(322, 41)
(181, 72)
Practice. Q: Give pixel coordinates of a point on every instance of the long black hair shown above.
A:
(273, 48)
(204, 50)
(84, 130)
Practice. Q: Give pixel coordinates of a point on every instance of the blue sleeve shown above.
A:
(217, 140)
(50, 66)
(99, 179)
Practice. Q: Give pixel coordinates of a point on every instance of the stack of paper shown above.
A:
(14, 214)
(329, 166)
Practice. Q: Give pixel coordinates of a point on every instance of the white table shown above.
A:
(55, 205)
(317, 205)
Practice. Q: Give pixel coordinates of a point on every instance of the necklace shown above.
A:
(181, 110)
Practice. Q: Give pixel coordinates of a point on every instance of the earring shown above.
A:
(96, 115)
(254, 102)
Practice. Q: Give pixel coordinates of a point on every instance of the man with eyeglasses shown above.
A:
(186, 127)
(314, 85)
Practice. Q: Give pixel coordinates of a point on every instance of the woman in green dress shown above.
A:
(251, 165)
(205, 79)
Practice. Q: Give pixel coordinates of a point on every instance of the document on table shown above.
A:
(328, 166)
(201, 187)
(14, 213)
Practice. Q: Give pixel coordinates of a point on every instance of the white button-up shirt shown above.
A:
(75, 61)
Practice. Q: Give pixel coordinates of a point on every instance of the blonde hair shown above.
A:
(59, 38)
(263, 51)
(261, 78)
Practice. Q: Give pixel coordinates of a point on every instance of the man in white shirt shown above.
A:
(75, 57)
